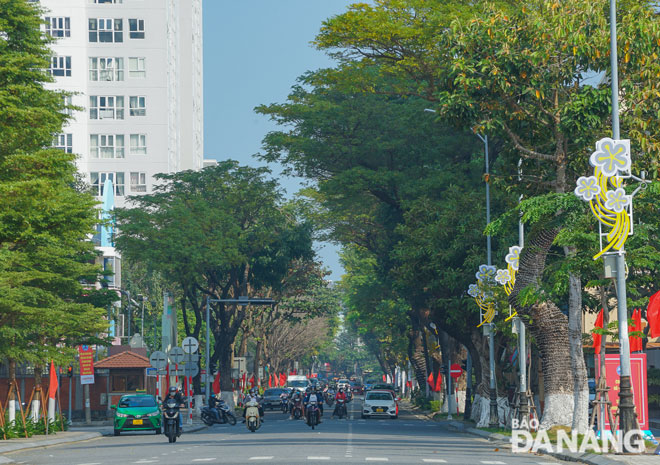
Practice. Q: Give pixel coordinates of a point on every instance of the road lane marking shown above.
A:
(318, 458)
(377, 459)
(270, 457)
(92, 463)
(492, 462)
(204, 460)
(146, 461)
(434, 460)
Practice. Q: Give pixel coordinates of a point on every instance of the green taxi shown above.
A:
(137, 412)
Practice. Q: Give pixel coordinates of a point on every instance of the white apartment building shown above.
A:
(136, 69)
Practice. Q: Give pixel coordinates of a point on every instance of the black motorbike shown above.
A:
(296, 409)
(340, 409)
(312, 414)
(171, 419)
(224, 415)
(285, 404)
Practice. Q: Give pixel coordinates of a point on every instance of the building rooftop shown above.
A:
(125, 359)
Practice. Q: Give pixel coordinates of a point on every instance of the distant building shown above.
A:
(136, 66)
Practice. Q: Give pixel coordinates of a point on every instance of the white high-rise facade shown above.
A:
(136, 69)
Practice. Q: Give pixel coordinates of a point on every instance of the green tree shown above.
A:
(45, 223)
(222, 232)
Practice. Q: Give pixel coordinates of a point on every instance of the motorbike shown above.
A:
(340, 410)
(296, 410)
(171, 419)
(329, 399)
(312, 414)
(285, 404)
(209, 418)
(252, 418)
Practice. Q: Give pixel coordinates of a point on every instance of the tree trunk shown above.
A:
(12, 400)
(417, 359)
(550, 330)
(257, 361)
(578, 367)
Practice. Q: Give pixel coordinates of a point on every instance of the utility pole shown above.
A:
(490, 327)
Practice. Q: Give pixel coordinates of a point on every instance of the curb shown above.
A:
(78, 438)
(505, 441)
(48, 442)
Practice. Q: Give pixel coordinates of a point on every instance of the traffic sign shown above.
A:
(176, 370)
(152, 371)
(158, 359)
(190, 370)
(455, 371)
(190, 345)
(191, 358)
(176, 355)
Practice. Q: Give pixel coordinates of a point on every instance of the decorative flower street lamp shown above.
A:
(614, 210)
(482, 293)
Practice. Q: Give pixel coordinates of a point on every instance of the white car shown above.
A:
(380, 404)
(344, 384)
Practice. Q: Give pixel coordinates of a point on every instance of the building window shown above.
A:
(106, 146)
(105, 30)
(127, 383)
(106, 107)
(136, 28)
(58, 26)
(106, 69)
(138, 144)
(63, 142)
(137, 68)
(60, 66)
(138, 182)
(137, 105)
(67, 101)
(97, 180)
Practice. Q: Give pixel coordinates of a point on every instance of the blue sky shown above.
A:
(253, 52)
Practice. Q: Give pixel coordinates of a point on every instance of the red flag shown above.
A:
(282, 379)
(252, 382)
(653, 315)
(636, 342)
(431, 381)
(598, 337)
(270, 380)
(438, 383)
(216, 383)
(52, 386)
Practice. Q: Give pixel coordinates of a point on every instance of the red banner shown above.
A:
(86, 357)
(639, 386)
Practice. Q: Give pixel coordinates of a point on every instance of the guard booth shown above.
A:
(127, 375)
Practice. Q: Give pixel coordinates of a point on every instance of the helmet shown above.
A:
(252, 391)
(213, 395)
(309, 389)
(172, 389)
(341, 389)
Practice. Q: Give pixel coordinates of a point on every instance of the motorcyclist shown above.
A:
(253, 396)
(341, 395)
(213, 402)
(312, 396)
(293, 398)
(174, 393)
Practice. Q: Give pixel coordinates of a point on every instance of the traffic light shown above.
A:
(69, 371)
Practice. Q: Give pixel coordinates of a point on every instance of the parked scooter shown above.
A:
(171, 419)
(209, 417)
(252, 418)
(313, 414)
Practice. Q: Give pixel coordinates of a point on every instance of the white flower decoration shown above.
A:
(513, 257)
(473, 290)
(617, 200)
(503, 277)
(486, 273)
(587, 188)
(612, 157)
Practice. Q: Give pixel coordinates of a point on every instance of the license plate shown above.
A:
(379, 410)
(137, 422)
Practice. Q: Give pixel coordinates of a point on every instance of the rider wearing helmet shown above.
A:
(340, 395)
(174, 393)
(253, 396)
(310, 396)
(213, 401)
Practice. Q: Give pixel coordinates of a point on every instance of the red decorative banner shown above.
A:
(86, 356)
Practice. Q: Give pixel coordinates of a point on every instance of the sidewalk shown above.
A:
(78, 432)
(588, 458)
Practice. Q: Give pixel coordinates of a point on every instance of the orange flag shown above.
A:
(636, 342)
(597, 337)
(216, 383)
(653, 315)
(52, 386)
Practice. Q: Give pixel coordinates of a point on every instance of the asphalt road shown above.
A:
(408, 440)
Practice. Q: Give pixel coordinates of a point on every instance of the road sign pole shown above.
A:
(157, 386)
(449, 391)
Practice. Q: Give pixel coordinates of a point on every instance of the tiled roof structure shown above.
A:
(126, 359)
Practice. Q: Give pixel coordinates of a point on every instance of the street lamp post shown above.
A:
(494, 417)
